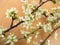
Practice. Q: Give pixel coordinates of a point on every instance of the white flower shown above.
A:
(51, 18)
(11, 12)
(11, 39)
(36, 43)
(47, 27)
(39, 25)
(28, 21)
(24, 1)
(56, 12)
(36, 35)
(24, 33)
(29, 39)
(48, 42)
(55, 35)
(1, 33)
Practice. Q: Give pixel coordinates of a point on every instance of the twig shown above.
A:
(29, 34)
(39, 6)
(12, 22)
(13, 26)
(49, 35)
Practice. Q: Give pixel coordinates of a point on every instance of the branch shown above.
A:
(23, 21)
(39, 6)
(13, 26)
(29, 34)
(49, 35)
(12, 22)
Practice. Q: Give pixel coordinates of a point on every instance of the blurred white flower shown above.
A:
(56, 12)
(48, 42)
(1, 33)
(11, 12)
(36, 35)
(28, 21)
(51, 18)
(11, 39)
(24, 33)
(47, 27)
(29, 39)
(39, 25)
(24, 1)
(36, 43)
(56, 35)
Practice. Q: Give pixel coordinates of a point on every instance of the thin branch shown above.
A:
(29, 34)
(49, 35)
(13, 26)
(39, 6)
(12, 22)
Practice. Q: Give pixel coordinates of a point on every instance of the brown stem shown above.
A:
(13, 26)
(12, 22)
(39, 6)
(49, 35)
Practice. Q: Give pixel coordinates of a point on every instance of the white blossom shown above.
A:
(11, 12)
(47, 42)
(11, 39)
(36, 35)
(1, 33)
(55, 35)
(51, 18)
(24, 33)
(36, 43)
(39, 25)
(47, 27)
(56, 12)
(29, 39)
(24, 1)
(28, 21)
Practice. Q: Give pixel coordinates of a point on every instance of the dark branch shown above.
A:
(39, 6)
(13, 26)
(12, 22)
(49, 35)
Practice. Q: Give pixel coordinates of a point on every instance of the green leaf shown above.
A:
(54, 1)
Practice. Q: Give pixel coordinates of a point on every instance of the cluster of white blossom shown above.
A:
(51, 18)
(28, 21)
(56, 12)
(47, 27)
(25, 33)
(11, 39)
(11, 13)
(39, 25)
(36, 43)
(29, 39)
